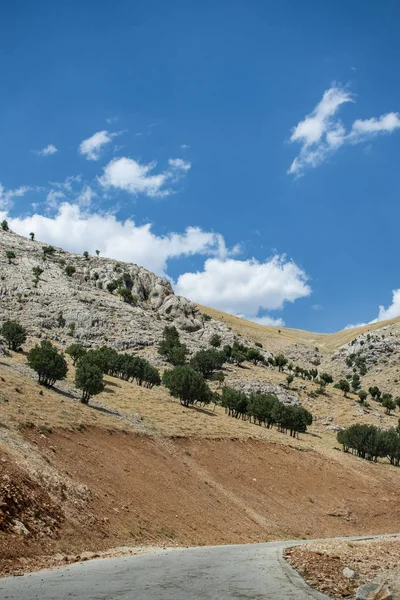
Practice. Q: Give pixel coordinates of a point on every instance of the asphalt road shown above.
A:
(250, 571)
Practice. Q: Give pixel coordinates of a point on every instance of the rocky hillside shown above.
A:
(61, 296)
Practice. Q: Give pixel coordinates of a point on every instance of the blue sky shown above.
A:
(246, 150)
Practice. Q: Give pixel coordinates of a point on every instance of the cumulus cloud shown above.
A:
(246, 287)
(321, 133)
(75, 230)
(91, 147)
(129, 175)
(47, 151)
(384, 314)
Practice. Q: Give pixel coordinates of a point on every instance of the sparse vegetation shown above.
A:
(70, 270)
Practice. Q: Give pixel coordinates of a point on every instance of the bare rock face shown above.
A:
(37, 291)
(374, 591)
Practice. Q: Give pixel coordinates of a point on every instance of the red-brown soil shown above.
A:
(184, 491)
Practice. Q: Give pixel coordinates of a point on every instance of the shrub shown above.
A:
(37, 271)
(215, 340)
(4, 225)
(89, 379)
(206, 317)
(75, 351)
(14, 334)
(375, 393)
(258, 344)
(187, 384)
(112, 286)
(127, 296)
(48, 250)
(70, 270)
(289, 379)
(49, 364)
(10, 255)
(86, 255)
(32, 235)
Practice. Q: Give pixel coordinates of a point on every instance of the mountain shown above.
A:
(135, 467)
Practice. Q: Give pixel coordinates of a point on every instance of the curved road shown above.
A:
(251, 571)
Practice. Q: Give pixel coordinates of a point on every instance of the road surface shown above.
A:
(250, 571)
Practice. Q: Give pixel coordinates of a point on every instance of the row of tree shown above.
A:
(371, 442)
(267, 410)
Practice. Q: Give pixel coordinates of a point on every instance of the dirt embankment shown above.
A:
(146, 490)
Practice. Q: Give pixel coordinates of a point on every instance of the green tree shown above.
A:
(49, 364)
(70, 270)
(375, 393)
(112, 286)
(4, 225)
(89, 379)
(280, 362)
(14, 334)
(215, 340)
(397, 400)
(344, 386)
(254, 355)
(97, 252)
(362, 394)
(326, 377)
(388, 403)
(86, 255)
(171, 347)
(207, 361)
(32, 235)
(355, 382)
(289, 379)
(75, 351)
(188, 385)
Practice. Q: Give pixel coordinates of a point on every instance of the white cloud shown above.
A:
(185, 146)
(6, 196)
(47, 151)
(76, 231)
(86, 196)
(179, 164)
(384, 314)
(316, 307)
(244, 287)
(129, 175)
(384, 124)
(91, 147)
(321, 133)
(270, 321)
(53, 198)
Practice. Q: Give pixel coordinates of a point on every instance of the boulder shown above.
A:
(374, 591)
(349, 573)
